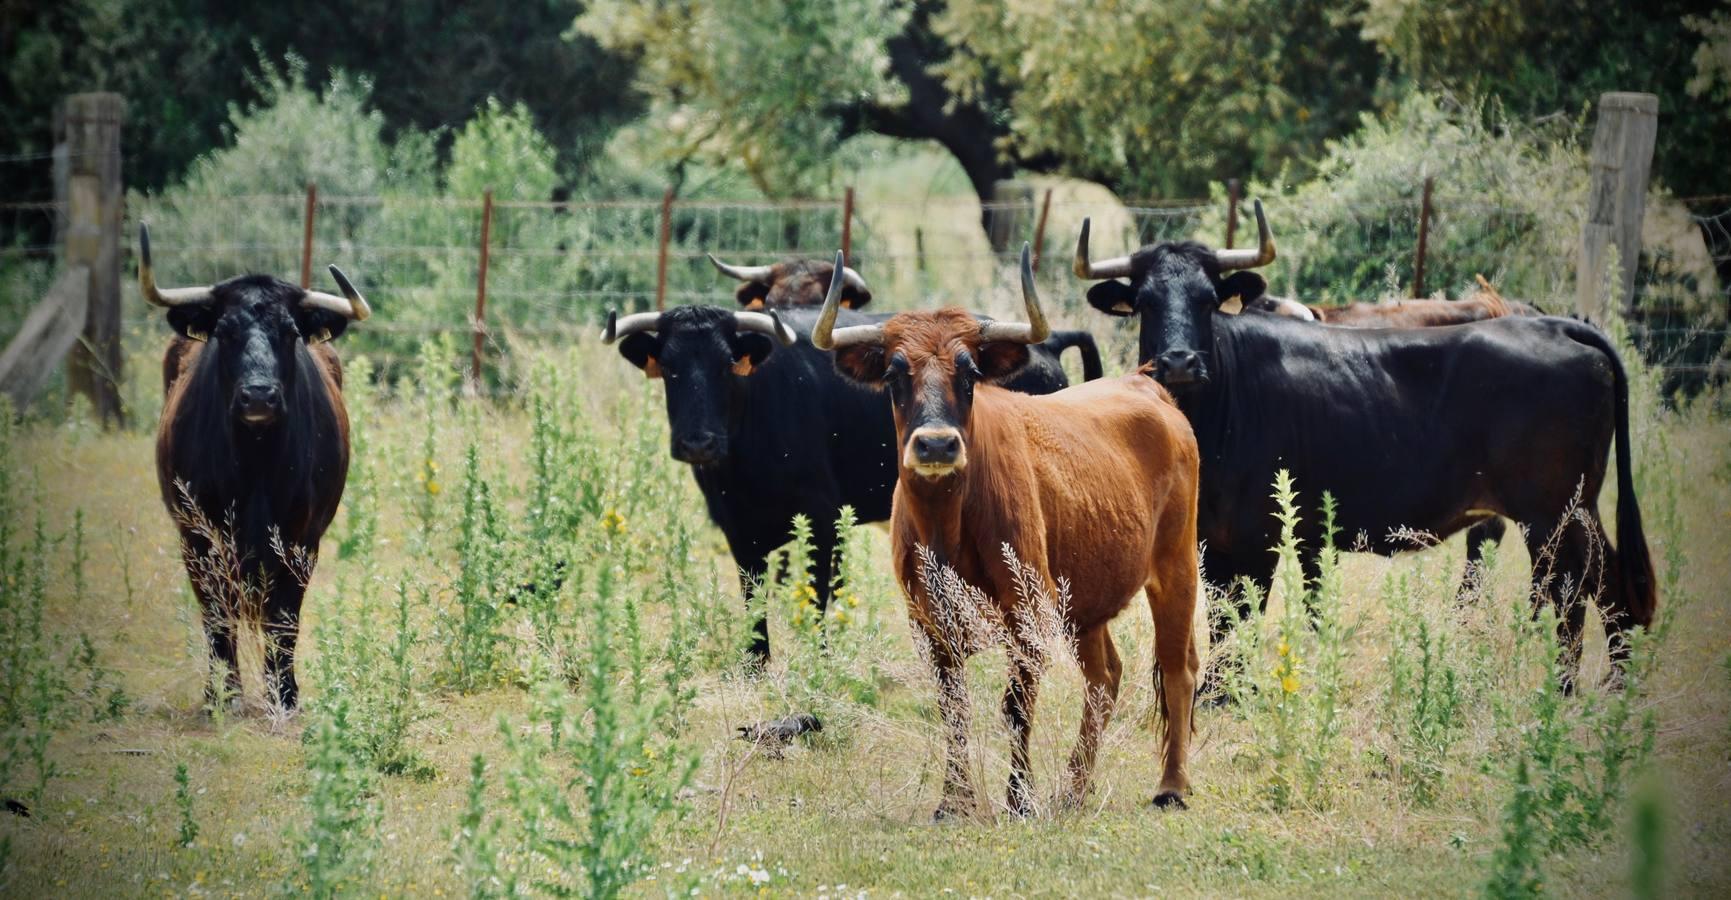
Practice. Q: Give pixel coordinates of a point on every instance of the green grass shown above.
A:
(1391, 802)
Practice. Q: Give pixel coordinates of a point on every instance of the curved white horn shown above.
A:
(770, 324)
(824, 335)
(155, 296)
(350, 304)
(853, 279)
(1247, 258)
(1035, 329)
(743, 273)
(630, 325)
(1116, 267)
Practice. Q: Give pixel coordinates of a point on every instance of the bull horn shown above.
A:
(824, 335)
(742, 273)
(351, 304)
(770, 324)
(1247, 258)
(628, 326)
(1035, 329)
(1116, 267)
(155, 296)
(853, 279)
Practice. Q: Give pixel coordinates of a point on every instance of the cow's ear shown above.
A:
(640, 349)
(319, 325)
(1246, 286)
(751, 294)
(852, 299)
(194, 321)
(999, 360)
(862, 364)
(749, 351)
(1114, 298)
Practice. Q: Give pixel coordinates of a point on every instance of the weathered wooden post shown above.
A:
(1423, 238)
(1621, 161)
(95, 206)
(661, 256)
(480, 324)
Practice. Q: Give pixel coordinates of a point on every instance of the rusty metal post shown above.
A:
(307, 237)
(1233, 191)
(847, 224)
(661, 259)
(1423, 238)
(480, 323)
(1040, 228)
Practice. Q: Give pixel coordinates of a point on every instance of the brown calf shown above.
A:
(1094, 485)
(1486, 303)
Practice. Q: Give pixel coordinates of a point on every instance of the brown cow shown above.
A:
(1486, 303)
(1095, 485)
(252, 450)
(793, 283)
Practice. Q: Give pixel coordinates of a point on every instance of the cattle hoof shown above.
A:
(1170, 800)
(952, 811)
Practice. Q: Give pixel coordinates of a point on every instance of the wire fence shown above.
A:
(555, 268)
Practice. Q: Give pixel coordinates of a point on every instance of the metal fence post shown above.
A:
(847, 223)
(307, 237)
(1423, 238)
(661, 258)
(1233, 189)
(480, 323)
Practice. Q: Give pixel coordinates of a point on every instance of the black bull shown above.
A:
(773, 431)
(1411, 430)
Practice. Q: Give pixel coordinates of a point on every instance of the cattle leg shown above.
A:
(1176, 663)
(751, 578)
(281, 635)
(219, 633)
(958, 799)
(1563, 574)
(1019, 695)
(1472, 578)
(1103, 671)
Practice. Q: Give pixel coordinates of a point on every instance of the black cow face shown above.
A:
(705, 360)
(255, 326)
(1176, 289)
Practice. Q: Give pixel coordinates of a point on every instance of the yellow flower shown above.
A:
(841, 616)
(1289, 683)
(852, 599)
(433, 487)
(613, 521)
(1284, 648)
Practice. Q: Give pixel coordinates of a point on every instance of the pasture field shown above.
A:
(521, 675)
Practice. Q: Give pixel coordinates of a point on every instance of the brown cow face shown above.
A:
(929, 362)
(796, 284)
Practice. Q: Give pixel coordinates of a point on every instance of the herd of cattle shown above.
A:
(1420, 418)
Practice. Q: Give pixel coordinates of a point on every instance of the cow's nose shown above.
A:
(260, 401)
(698, 449)
(1180, 367)
(937, 448)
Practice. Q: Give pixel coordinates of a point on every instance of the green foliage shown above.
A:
(1507, 205)
(339, 840)
(373, 680)
(756, 82)
(1428, 691)
(183, 802)
(500, 150)
(1160, 98)
(469, 628)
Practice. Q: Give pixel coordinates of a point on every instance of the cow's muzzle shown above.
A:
(701, 449)
(1179, 368)
(258, 405)
(935, 452)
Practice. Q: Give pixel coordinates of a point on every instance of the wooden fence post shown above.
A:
(661, 257)
(1621, 161)
(1423, 238)
(1232, 194)
(480, 324)
(95, 202)
(847, 224)
(307, 237)
(1040, 227)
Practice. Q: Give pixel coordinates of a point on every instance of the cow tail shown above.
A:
(1084, 342)
(1634, 568)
